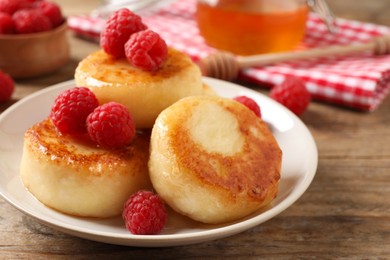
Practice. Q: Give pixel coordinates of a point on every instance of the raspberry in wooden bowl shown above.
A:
(33, 38)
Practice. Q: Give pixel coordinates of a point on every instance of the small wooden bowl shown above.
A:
(35, 54)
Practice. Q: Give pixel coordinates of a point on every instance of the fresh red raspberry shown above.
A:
(250, 103)
(118, 28)
(293, 94)
(7, 87)
(31, 21)
(52, 11)
(144, 213)
(7, 25)
(11, 6)
(146, 50)
(111, 125)
(71, 109)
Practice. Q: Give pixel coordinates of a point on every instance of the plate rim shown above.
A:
(184, 238)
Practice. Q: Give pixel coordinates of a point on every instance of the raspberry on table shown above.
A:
(250, 103)
(7, 87)
(71, 109)
(111, 125)
(293, 94)
(52, 11)
(146, 50)
(7, 25)
(31, 21)
(144, 213)
(119, 26)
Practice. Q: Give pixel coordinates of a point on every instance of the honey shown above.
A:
(247, 27)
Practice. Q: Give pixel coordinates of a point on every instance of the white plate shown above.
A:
(298, 169)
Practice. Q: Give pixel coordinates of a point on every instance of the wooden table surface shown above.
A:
(345, 213)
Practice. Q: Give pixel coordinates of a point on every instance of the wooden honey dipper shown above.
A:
(225, 65)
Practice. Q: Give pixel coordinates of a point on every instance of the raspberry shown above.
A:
(118, 28)
(52, 11)
(31, 21)
(250, 103)
(293, 94)
(111, 125)
(71, 108)
(6, 24)
(11, 6)
(7, 87)
(146, 50)
(144, 213)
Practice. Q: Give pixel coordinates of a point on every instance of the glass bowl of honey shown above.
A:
(248, 27)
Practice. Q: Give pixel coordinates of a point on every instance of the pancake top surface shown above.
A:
(47, 143)
(103, 68)
(223, 144)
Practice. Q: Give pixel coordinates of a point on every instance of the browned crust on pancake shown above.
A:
(253, 172)
(47, 143)
(97, 66)
(144, 93)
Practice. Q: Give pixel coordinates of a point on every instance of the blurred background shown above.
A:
(372, 10)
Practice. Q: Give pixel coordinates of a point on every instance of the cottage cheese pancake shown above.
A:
(76, 177)
(213, 160)
(144, 93)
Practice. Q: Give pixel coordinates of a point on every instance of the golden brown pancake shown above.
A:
(144, 93)
(213, 160)
(75, 177)
(208, 91)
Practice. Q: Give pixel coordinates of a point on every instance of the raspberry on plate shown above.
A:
(71, 109)
(144, 213)
(293, 94)
(111, 125)
(146, 50)
(31, 21)
(118, 28)
(52, 11)
(250, 103)
(6, 24)
(7, 87)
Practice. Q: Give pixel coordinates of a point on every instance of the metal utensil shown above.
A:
(322, 9)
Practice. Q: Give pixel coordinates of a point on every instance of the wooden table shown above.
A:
(345, 213)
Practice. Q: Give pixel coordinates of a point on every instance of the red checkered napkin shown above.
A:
(361, 81)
